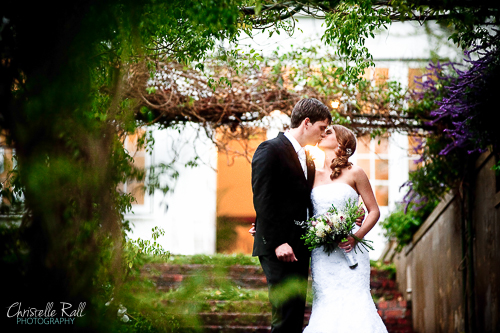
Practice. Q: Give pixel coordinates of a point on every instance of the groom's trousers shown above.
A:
(287, 283)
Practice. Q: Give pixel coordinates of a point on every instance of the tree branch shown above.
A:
(325, 6)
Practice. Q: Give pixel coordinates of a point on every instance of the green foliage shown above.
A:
(384, 267)
(147, 247)
(402, 223)
(66, 114)
(402, 226)
(436, 173)
(469, 22)
(12, 248)
(347, 28)
(226, 233)
(162, 177)
(155, 312)
(218, 259)
(232, 293)
(349, 23)
(436, 176)
(496, 167)
(176, 310)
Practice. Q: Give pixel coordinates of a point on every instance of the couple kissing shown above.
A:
(287, 188)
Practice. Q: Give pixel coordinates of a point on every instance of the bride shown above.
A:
(342, 301)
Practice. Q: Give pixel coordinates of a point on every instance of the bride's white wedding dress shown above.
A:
(341, 296)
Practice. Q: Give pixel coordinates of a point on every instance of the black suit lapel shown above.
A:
(292, 156)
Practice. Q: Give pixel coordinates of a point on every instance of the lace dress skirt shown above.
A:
(341, 296)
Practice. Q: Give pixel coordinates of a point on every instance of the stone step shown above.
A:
(172, 282)
(396, 315)
(254, 316)
(168, 277)
(236, 329)
(216, 306)
(235, 319)
(168, 282)
(238, 322)
(238, 318)
(234, 270)
(239, 270)
(227, 329)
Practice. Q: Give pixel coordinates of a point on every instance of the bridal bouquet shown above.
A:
(332, 228)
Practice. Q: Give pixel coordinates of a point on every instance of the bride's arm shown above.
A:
(366, 192)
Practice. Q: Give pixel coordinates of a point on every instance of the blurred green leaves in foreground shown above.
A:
(207, 286)
(65, 114)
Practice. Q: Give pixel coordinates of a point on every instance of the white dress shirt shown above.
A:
(301, 152)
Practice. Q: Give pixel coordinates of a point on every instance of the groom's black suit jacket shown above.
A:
(281, 196)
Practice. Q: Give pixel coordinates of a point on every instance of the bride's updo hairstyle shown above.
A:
(347, 147)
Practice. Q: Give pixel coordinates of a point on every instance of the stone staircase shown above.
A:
(255, 315)
(391, 306)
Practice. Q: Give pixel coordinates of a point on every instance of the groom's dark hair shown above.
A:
(309, 108)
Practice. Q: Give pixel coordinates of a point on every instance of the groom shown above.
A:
(282, 179)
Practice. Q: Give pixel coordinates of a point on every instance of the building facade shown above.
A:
(210, 208)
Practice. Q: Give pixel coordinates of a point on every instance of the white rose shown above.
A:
(320, 233)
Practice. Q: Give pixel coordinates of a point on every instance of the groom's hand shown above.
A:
(359, 220)
(284, 252)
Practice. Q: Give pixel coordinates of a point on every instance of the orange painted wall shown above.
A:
(234, 188)
(234, 195)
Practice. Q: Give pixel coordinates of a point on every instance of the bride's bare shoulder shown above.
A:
(358, 172)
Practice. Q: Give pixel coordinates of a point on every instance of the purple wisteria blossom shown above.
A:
(467, 96)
